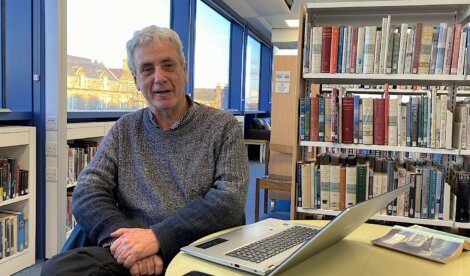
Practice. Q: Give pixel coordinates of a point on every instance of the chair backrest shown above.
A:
(278, 159)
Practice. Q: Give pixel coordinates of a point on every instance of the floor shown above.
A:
(256, 170)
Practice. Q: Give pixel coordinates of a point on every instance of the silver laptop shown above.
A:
(272, 246)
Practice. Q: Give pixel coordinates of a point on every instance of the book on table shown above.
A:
(424, 242)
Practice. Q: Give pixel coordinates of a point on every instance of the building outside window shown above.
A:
(98, 78)
(212, 53)
(252, 77)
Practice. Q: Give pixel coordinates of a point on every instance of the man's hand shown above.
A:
(133, 244)
(151, 265)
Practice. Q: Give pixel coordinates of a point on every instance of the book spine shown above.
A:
(369, 49)
(378, 50)
(345, 50)
(334, 187)
(361, 179)
(298, 182)
(347, 119)
(314, 119)
(425, 51)
(448, 51)
(306, 185)
(392, 122)
(328, 119)
(462, 49)
(412, 195)
(340, 49)
(317, 38)
(432, 193)
(432, 63)
(326, 49)
(356, 119)
(360, 50)
(321, 119)
(354, 37)
(425, 193)
(418, 186)
(402, 51)
(325, 186)
(379, 115)
(342, 188)
(351, 186)
(367, 121)
(455, 51)
(401, 198)
(334, 49)
(409, 50)
(441, 48)
(417, 48)
(395, 50)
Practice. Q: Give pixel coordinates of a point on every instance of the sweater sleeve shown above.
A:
(222, 207)
(94, 204)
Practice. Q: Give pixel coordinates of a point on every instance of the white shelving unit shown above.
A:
(383, 148)
(435, 222)
(364, 13)
(94, 131)
(20, 143)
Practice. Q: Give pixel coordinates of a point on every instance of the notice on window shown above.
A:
(281, 87)
(283, 76)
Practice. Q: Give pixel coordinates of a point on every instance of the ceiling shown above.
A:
(268, 17)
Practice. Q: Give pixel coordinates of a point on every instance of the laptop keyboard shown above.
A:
(266, 248)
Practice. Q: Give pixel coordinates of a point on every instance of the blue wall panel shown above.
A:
(18, 55)
(265, 78)
(237, 61)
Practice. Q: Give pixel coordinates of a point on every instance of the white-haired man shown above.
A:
(163, 177)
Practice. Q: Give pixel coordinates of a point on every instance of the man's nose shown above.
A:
(159, 75)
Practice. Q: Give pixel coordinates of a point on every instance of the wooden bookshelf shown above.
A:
(20, 143)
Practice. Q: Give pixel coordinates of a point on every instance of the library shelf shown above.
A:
(383, 148)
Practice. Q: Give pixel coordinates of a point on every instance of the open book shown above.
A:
(424, 242)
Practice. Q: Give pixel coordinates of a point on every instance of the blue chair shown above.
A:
(77, 238)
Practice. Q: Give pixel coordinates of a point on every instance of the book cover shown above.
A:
(369, 49)
(416, 48)
(433, 246)
(455, 51)
(314, 118)
(441, 48)
(360, 50)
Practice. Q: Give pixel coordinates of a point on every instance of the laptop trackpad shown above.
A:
(257, 231)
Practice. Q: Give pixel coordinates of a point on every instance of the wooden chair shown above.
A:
(271, 182)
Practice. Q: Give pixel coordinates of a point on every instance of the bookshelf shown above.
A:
(20, 143)
(372, 13)
(93, 131)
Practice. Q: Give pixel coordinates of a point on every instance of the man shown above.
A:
(163, 177)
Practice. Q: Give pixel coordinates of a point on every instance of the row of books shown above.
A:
(70, 221)
(422, 121)
(13, 180)
(389, 49)
(80, 154)
(14, 233)
(335, 182)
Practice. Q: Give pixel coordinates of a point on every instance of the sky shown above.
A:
(99, 30)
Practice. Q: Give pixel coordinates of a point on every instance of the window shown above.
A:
(212, 54)
(252, 74)
(97, 31)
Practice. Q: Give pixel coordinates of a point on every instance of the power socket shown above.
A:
(51, 149)
(51, 174)
(51, 124)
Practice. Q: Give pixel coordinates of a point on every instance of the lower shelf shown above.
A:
(17, 262)
(435, 222)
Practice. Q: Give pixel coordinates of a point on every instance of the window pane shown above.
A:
(97, 31)
(212, 53)
(253, 54)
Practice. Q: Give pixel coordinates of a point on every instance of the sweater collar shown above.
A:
(185, 118)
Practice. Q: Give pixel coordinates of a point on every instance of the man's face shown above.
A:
(160, 76)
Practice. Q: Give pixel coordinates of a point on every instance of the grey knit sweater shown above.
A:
(184, 183)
